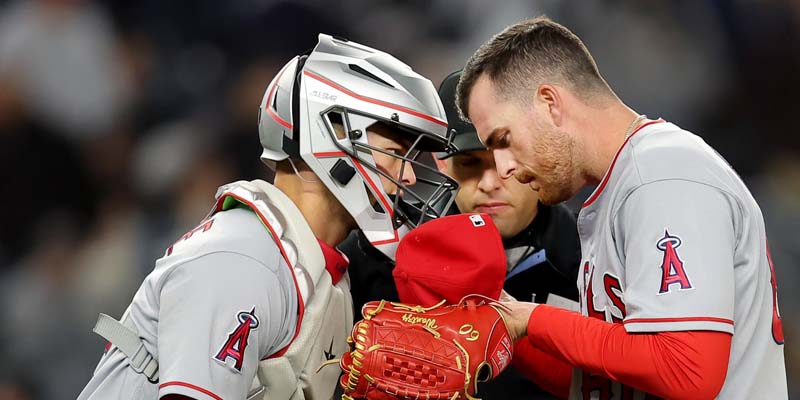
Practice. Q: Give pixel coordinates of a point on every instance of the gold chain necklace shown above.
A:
(629, 132)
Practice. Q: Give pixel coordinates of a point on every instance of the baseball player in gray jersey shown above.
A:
(255, 299)
(678, 294)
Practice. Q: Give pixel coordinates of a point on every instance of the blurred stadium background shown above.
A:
(118, 120)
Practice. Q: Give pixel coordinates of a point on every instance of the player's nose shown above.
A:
(504, 163)
(490, 180)
(408, 177)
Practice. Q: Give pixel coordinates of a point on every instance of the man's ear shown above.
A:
(441, 164)
(548, 97)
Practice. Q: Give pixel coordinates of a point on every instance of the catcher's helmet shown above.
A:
(347, 84)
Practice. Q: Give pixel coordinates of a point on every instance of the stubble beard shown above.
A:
(555, 150)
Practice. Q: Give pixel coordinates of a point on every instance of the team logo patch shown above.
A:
(477, 220)
(237, 340)
(672, 271)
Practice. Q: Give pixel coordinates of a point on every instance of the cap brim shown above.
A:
(464, 136)
(464, 142)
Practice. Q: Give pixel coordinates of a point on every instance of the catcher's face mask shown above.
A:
(370, 95)
(412, 192)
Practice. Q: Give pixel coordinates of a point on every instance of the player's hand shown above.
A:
(516, 315)
(504, 296)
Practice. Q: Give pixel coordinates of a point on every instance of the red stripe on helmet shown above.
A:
(270, 99)
(375, 101)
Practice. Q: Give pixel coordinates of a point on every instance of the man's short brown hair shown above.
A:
(527, 54)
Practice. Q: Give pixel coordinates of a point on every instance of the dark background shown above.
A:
(118, 120)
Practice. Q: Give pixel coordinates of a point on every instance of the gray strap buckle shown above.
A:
(130, 344)
(142, 362)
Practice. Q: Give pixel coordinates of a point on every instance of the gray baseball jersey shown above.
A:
(672, 240)
(218, 302)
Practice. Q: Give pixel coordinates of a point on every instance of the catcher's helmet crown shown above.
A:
(354, 86)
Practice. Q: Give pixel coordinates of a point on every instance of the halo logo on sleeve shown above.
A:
(672, 272)
(237, 340)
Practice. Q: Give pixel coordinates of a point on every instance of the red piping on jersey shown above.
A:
(267, 107)
(301, 307)
(602, 185)
(374, 101)
(686, 319)
(190, 386)
(363, 173)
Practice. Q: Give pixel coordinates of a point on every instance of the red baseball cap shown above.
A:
(448, 258)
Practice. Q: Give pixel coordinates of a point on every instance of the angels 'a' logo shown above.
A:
(672, 272)
(237, 340)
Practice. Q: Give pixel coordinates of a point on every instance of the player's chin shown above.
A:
(549, 197)
(506, 227)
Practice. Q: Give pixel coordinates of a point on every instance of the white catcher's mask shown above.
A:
(344, 83)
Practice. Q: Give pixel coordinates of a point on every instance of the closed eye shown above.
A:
(502, 141)
(497, 139)
(403, 152)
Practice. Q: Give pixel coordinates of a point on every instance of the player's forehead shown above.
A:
(485, 111)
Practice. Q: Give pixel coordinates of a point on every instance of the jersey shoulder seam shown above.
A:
(635, 162)
(172, 268)
(725, 192)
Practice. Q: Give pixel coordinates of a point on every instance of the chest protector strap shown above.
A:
(129, 343)
(326, 314)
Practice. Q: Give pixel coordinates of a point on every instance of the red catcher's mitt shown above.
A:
(410, 352)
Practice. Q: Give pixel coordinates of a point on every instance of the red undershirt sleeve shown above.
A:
(685, 365)
(550, 373)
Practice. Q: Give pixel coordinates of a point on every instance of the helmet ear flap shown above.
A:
(292, 146)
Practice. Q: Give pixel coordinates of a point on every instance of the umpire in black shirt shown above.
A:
(541, 242)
